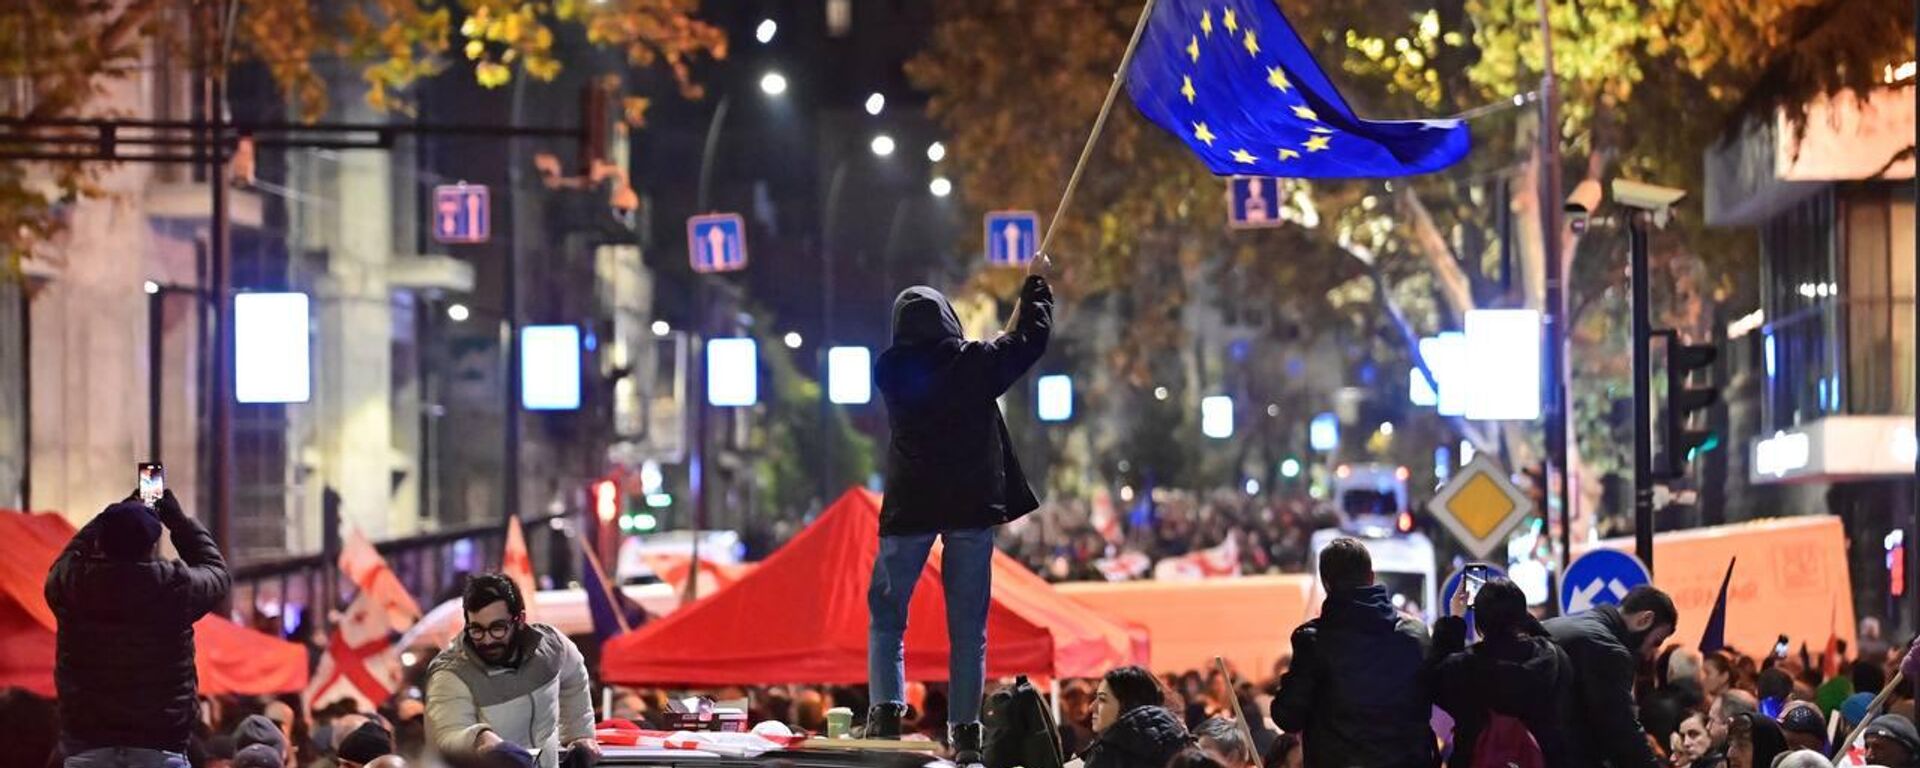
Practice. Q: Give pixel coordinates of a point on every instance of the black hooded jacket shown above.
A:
(124, 663)
(1527, 678)
(1604, 728)
(950, 464)
(1356, 691)
(1143, 737)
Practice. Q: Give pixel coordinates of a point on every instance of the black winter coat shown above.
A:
(1526, 678)
(1143, 737)
(950, 464)
(124, 664)
(1356, 692)
(1604, 728)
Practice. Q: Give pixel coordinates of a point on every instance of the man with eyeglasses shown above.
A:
(507, 686)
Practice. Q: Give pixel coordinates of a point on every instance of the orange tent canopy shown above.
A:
(231, 659)
(801, 617)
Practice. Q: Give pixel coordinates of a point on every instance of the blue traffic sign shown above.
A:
(1012, 237)
(462, 213)
(1254, 202)
(1452, 584)
(717, 242)
(1600, 577)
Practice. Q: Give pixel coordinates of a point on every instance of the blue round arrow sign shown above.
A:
(1600, 577)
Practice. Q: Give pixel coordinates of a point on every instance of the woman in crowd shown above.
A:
(1516, 671)
(1692, 745)
(1131, 724)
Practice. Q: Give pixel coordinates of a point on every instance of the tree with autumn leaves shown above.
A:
(1645, 85)
(62, 54)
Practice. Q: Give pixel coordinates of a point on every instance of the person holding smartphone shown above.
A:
(124, 664)
(1515, 677)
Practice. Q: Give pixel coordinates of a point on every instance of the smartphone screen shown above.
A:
(153, 482)
(1474, 577)
(1780, 648)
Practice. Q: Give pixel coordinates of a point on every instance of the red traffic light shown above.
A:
(606, 500)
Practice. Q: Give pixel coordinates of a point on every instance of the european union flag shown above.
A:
(1234, 81)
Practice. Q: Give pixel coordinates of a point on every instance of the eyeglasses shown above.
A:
(499, 630)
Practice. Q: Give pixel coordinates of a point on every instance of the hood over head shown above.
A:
(922, 315)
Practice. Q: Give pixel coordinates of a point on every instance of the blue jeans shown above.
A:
(126, 757)
(966, 570)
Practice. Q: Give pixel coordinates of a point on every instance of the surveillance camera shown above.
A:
(1577, 216)
(1646, 197)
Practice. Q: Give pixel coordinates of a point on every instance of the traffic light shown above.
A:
(606, 500)
(1681, 444)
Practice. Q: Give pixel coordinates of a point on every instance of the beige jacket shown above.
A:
(543, 704)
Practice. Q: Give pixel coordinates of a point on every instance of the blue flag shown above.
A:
(1714, 636)
(1234, 81)
(612, 612)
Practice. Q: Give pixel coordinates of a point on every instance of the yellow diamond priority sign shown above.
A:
(1480, 506)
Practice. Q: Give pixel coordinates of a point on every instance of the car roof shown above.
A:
(794, 758)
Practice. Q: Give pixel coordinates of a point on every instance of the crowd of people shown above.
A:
(1367, 684)
(1065, 540)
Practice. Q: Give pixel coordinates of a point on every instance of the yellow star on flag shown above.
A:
(1288, 154)
(1227, 18)
(1243, 157)
(1201, 132)
(1253, 46)
(1206, 23)
(1320, 129)
(1318, 143)
(1193, 49)
(1186, 88)
(1277, 78)
(1303, 112)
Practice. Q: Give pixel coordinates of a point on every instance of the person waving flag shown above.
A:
(1232, 80)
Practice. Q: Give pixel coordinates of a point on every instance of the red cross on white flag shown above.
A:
(360, 662)
(369, 571)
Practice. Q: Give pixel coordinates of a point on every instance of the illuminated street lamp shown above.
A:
(940, 186)
(764, 33)
(936, 152)
(876, 103)
(882, 145)
(1216, 416)
(773, 84)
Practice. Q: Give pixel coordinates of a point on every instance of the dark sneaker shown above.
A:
(883, 720)
(966, 743)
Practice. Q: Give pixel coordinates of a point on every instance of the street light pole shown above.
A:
(1642, 394)
(701, 197)
(221, 382)
(835, 187)
(1554, 358)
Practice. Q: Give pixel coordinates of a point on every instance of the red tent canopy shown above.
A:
(231, 659)
(801, 617)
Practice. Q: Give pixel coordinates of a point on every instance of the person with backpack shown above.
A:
(1355, 691)
(1510, 693)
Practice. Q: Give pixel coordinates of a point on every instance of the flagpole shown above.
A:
(1099, 125)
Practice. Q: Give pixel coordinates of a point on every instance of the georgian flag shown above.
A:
(369, 571)
(361, 662)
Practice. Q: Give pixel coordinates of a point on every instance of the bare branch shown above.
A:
(1451, 280)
